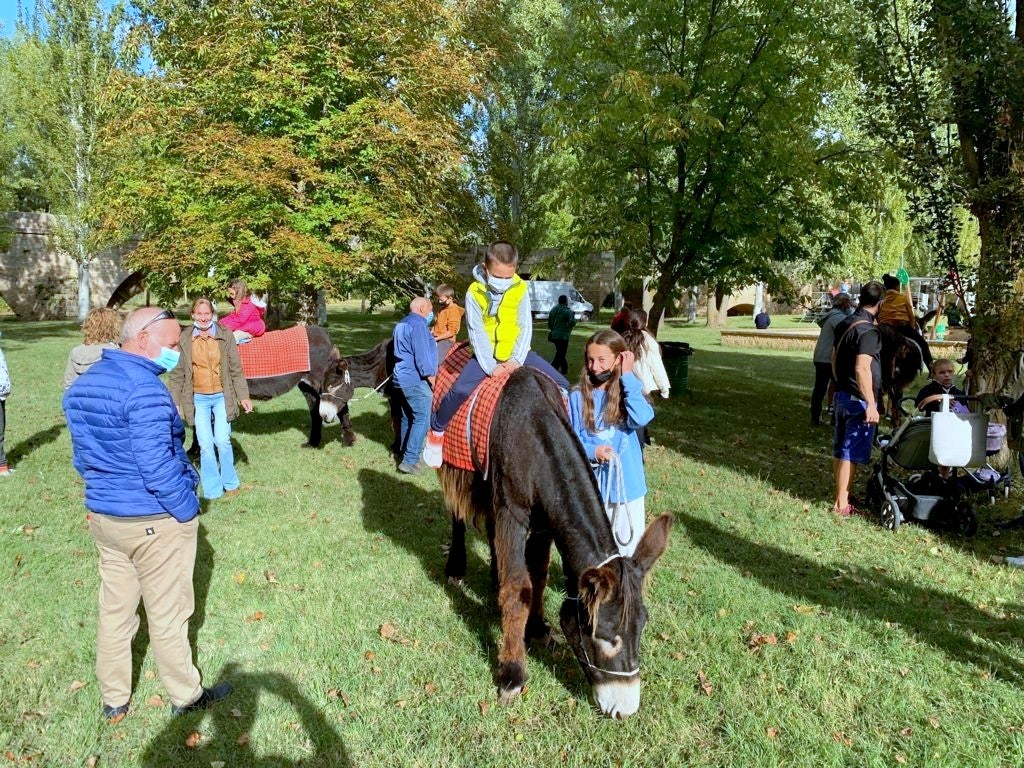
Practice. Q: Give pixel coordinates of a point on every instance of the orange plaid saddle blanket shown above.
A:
(276, 353)
(468, 434)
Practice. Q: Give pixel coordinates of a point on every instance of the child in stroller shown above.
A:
(906, 484)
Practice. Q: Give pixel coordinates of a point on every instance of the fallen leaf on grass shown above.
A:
(28, 530)
(389, 631)
(154, 701)
(484, 706)
(771, 732)
(271, 577)
(430, 689)
(677, 656)
(258, 616)
(901, 758)
(904, 671)
(236, 713)
(906, 732)
(33, 664)
(76, 686)
(243, 739)
(842, 738)
(790, 637)
(239, 577)
(92, 762)
(665, 636)
(369, 655)
(400, 703)
(933, 721)
(807, 610)
(193, 739)
(150, 674)
(757, 642)
(706, 687)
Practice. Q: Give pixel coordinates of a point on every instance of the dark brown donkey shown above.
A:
(540, 491)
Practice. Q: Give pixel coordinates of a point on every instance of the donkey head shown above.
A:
(604, 625)
(337, 389)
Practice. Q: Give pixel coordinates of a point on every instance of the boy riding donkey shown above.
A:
(500, 326)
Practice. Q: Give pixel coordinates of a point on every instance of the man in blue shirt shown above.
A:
(415, 369)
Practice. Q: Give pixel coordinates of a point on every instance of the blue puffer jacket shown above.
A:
(126, 440)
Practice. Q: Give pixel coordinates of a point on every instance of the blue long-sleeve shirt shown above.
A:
(621, 437)
(415, 351)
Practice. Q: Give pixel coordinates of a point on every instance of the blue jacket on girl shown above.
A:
(622, 438)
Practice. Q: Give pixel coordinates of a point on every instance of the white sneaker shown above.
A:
(433, 455)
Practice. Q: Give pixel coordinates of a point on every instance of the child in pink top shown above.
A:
(247, 319)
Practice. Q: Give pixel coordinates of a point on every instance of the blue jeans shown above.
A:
(415, 406)
(215, 480)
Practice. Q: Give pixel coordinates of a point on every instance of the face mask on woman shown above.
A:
(429, 318)
(597, 379)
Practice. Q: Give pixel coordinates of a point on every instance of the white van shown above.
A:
(544, 296)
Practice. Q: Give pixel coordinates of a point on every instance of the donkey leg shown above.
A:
(515, 593)
(455, 567)
(348, 435)
(315, 421)
(538, 558)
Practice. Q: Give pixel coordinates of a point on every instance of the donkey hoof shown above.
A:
(507, 695)
(348, 439)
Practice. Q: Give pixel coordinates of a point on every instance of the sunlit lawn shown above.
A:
(778, 634)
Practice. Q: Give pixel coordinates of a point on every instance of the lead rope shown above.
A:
(372, 391)
(616, 475)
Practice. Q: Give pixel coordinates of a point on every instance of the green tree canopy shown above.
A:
(694, 127)
(302, 145)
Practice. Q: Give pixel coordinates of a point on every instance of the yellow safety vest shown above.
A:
(502, 328)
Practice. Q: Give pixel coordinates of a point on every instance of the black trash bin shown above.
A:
(676, 356)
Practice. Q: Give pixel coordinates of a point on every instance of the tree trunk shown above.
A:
(716, 302)
(83, 290)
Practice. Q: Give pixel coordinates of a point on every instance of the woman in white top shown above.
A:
(649, 367)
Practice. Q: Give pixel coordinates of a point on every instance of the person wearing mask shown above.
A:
(140, 490)
(208, 387)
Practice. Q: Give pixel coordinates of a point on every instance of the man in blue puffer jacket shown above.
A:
(140, 489)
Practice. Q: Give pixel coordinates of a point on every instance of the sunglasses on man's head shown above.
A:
(165, 314)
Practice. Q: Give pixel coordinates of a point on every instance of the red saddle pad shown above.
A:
(469, 431)
(276, 353)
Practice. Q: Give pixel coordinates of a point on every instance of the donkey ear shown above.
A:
(653, 543)
(597, 585)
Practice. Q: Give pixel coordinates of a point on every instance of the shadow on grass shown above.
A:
(234, 719)
(394, 508)
(23, 449)
(947, 623)
(749, 415)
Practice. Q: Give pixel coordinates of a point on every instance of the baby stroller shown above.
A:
(906, 485)
(986, 480)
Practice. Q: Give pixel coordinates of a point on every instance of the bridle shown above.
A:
(579, 630)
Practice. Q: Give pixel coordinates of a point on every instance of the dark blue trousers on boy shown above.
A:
(471, 376)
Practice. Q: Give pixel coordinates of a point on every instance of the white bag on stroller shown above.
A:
(957, 440)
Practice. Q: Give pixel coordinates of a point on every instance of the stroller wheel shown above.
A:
(964, 521)
(890, 516)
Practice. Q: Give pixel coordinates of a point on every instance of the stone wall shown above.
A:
(39, 280)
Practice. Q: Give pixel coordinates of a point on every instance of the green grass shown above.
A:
(888, 649)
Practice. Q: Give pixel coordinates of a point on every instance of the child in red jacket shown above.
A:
(246, 321)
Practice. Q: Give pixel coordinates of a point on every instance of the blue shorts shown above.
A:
(854, 437)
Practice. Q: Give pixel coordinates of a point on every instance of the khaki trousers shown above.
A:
(152, 559)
